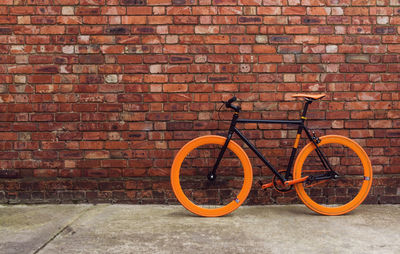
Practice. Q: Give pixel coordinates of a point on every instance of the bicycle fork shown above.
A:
(212, 175)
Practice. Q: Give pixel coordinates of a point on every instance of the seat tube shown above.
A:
(294, 151)
(296, 142)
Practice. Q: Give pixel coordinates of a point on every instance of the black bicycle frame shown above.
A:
(301, 127)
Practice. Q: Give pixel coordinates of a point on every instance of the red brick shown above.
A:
(264, 49)
(40, 79)
(224, 10)
(268, 11)
(349, 49)
(183, 20)
(91, 145)
(8, 136)
(306, 39)
(139, 10)
(8, 20)
(226, 87)
(176, 49)
(52, 29)
(110, 107)
(157, 2)
(296, 29)
(159, 20)
(317, 11)
(380, 123)
(204, 10)
(217, 39)
(225, 2)
(356, 11)
(331, 39)
(21, 10)
(356, 77)
(265, 68)
(294, 10)
(375, 68)
(229, 20)
(175, 88)
(126, 20)
(95, 20)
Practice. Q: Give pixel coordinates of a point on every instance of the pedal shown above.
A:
(300, 180)
(267, 185)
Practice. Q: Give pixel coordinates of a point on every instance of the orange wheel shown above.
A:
(333, 196)
(196, 192)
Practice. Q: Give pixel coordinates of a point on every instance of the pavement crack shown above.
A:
(67, 228)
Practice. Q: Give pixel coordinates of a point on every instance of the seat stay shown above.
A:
(321, 154)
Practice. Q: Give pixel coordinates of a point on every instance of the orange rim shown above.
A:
(179, 193)
(357, 200)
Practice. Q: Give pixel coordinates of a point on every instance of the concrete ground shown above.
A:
(171, 229)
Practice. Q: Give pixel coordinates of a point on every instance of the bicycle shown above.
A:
(212, 175)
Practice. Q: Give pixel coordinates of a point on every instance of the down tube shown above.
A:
(254, 149)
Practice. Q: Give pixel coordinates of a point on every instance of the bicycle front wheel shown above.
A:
(342, 194)
(211, 198)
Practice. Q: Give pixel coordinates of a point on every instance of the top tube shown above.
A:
(295, 122)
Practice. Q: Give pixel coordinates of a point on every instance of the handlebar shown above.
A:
(228, 104)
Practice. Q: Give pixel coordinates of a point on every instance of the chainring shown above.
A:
(278, 185)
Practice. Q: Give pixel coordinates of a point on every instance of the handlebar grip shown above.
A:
(228, 104)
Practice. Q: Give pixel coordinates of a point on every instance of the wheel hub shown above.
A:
(211, 177)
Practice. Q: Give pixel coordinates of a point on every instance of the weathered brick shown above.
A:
(249, 20)
(143, 30)
(93, 89)
(134, 2)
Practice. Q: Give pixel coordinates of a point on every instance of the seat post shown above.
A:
(308, 102)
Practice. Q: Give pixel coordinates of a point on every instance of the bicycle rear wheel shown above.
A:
(333, 196)
(202, 196)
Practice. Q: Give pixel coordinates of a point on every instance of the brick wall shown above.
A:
(98, 95)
